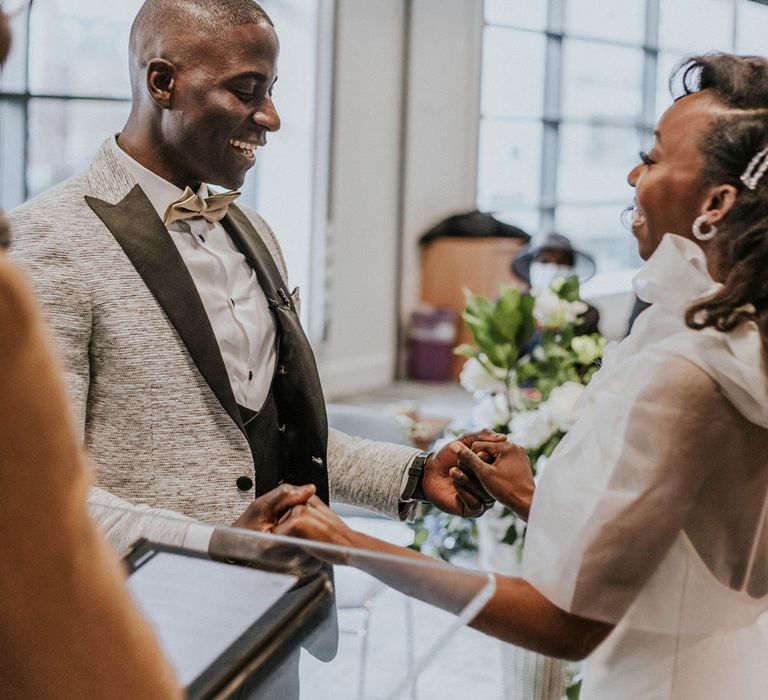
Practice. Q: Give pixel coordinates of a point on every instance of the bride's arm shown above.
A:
(517, 613)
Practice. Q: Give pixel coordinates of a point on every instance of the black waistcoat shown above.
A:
(302, 424)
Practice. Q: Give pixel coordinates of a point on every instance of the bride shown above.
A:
(647, 546)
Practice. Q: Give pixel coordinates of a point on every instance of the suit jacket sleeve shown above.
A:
(124, 522)
(367, 473)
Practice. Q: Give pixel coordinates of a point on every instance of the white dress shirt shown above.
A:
(233, 299)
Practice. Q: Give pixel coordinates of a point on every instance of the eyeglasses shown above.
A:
(11, 8)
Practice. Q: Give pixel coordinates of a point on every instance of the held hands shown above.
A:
(316, 521)
(465, 497)
(263, 513)
(502, 469)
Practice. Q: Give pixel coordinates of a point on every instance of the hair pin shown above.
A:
(756, 169)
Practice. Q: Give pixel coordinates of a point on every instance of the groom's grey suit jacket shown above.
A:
(159, 434)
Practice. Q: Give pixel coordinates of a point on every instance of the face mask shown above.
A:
(543, 274)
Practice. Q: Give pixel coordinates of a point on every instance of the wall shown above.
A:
(442, 124)
(359, 350)
(381, 202)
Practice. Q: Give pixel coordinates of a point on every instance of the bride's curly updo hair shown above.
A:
(740, 84)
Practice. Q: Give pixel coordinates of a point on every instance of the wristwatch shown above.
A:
(413, 490)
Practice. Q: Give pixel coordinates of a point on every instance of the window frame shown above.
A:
(553, 119)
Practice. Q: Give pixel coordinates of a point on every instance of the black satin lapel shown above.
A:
(148, 245)
(255, 251)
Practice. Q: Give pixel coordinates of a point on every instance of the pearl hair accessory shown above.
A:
(756, 169)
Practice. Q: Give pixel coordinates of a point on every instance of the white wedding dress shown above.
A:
(651, 513)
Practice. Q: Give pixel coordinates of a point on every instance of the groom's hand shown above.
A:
(468, 499)
(263, 513)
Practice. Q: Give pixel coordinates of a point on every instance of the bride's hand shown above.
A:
(316, 521)
(505, 474)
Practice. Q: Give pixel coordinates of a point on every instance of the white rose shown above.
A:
(476, 377)
(531, 429)
(491, 411)
(553, 312)
(563, 404)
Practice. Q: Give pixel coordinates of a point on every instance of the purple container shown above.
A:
(431, 338)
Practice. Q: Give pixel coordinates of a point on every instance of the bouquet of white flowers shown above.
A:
(527, 371)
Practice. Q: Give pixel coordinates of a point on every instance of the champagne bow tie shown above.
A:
(190, 206)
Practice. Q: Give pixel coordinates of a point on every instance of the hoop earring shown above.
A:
(697, 232)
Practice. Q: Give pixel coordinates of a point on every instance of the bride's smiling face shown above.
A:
(669, 191)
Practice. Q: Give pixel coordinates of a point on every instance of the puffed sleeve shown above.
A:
(619, 488)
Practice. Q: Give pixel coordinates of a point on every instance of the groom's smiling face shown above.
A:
(221, 107)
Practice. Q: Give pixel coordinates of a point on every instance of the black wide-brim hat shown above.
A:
(584, 265)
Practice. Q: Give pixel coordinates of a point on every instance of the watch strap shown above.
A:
(414, 486)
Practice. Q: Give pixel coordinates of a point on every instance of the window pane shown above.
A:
(80, 47)
(696, 26)
(752, 28)
(601, 81)
(513, 73)
(598, 231)
(11, 154)
(531, 14)
(285, 169)
(65, 134)
(667, 62)
(618, 20)
(13, 76)
(594, 162)
(509, 164)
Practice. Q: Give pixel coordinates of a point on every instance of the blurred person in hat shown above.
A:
(540, 265)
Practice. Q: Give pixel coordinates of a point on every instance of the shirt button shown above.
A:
(250, 375)
(244, 483)
(202, 238)
(232, 301)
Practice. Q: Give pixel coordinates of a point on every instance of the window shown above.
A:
(65, 89)
(571, 90)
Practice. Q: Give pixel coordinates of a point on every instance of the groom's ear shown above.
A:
(161, 82)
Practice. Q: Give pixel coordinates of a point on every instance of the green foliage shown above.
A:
(500, 329)
(441, 535)
(573, 691)
(465, 350)
(561, 357)
(510, 536)
(567, 288)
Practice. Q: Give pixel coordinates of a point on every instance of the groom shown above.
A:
(193, 384)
